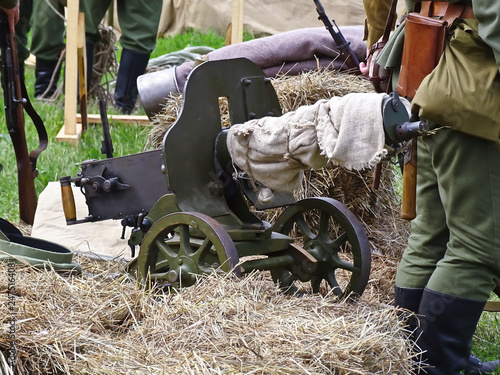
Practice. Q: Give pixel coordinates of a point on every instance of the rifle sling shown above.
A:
(39, 125)
(391, 20)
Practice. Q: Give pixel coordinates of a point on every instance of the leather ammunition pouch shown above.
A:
(425, 32)
(380, 77)
(461, 91)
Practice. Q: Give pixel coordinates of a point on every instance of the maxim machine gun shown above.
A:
(192, 214)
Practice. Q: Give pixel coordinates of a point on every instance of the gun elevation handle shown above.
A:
(68, 200)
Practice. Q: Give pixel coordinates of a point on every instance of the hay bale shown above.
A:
(102, 323)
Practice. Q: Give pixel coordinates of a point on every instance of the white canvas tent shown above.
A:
(259, 16)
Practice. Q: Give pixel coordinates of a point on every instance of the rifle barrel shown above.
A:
(343, 45)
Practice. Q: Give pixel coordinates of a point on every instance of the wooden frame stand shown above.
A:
(75, 50)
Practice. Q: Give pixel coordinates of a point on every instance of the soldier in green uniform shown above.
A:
(139, 22)
(47, 25)
(452, 261)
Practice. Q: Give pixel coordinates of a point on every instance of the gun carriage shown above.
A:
(192, 214)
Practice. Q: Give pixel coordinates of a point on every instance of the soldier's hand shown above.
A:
(363, 68)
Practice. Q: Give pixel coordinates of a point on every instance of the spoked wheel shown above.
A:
(331, 233)
(182, 245)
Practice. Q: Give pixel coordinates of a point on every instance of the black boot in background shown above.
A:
(132, 65)
(44, 70)
(447, 324)
(478, 367)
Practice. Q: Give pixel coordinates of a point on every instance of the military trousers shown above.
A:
(454, 246)
(47, 29)
(138, 22)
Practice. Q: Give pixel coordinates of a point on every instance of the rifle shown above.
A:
(343, 45)
(15, 101)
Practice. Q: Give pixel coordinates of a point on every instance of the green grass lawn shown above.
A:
(62, 159)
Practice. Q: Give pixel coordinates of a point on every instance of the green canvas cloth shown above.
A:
(14, 247)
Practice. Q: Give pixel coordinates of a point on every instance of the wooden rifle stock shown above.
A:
(408, 205)
(14, 102)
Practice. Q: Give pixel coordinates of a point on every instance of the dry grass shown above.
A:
(102, 323)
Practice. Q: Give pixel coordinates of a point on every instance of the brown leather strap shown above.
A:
(444, 9)
(389, 24)
(391, 20)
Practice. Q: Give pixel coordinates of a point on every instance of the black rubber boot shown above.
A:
(44, 70)
(447, 324)
(408, 299)
(477, 367)
(132, 65)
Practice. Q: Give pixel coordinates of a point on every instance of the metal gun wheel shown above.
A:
(181, 245)
(331, 233)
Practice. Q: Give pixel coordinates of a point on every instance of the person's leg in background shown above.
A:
(47, 43)
(139, 22)
(94, 11)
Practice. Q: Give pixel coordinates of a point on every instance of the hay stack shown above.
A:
(101, 323)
